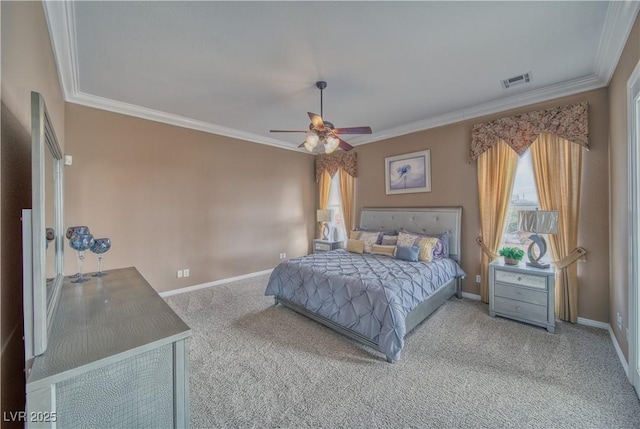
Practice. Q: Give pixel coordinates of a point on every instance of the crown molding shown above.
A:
(618, 23)
(168, 118)
(571, 87)
(60, 16)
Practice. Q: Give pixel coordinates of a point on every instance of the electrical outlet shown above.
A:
(284, 255)
(179, 275)
(619, 320)
(186, 272)
(478, 278)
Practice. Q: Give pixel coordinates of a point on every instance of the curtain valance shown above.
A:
(569, 122)
(330, 163)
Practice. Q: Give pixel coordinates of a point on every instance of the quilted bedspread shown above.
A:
(369, 294)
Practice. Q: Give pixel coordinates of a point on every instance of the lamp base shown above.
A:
(534, 257)
(325, 231)
(537, 265)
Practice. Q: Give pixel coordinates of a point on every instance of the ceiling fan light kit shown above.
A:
(321, 131)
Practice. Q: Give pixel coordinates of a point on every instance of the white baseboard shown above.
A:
(623, 361)
(472, 296)
(213, 283)
(593, 323)
(604, 325)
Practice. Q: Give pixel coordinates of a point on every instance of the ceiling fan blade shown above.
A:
(344, 145)
(353, 130)
(317, 121)
(286, 131)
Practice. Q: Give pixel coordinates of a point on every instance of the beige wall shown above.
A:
(172, 198)
(454, 183)
(27, 65)
(619, 294)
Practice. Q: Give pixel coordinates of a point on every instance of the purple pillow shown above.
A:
(442, 248)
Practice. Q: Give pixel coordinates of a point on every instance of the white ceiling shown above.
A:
(242, 68)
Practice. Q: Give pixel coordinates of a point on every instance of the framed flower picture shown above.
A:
(408, 173)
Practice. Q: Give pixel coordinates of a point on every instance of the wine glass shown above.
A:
(99, 247)
(79, 229)
(50, 236)
(80, 243)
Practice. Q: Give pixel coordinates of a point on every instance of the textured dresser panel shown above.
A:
(133, 393)
(521, 279)
(521, 294)
(521, 309)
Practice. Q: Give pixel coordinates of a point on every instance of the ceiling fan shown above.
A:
(321, 131)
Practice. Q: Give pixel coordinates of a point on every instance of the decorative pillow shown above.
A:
(444, 238)
(389, 240)
(441, 249)
(379, 249)
(355, 246)
(406, 239)
(382, 232)
(427, 247)
(407, 253)
(369, 238)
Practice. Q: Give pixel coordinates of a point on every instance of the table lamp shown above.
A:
(324, 217)
(538, 222)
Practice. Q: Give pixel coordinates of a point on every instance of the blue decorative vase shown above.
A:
(80, 243)
(99, 247)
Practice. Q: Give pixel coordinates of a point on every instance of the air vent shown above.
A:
(516, 80)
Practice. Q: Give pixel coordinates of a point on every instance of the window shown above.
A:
(335, 204)
(523, 197)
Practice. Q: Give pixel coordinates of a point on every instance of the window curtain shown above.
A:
(346, 165)
(347, 192)
(324, 186)
(496, 174)
(557, 168)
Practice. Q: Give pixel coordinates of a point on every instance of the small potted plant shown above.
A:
(512, 255)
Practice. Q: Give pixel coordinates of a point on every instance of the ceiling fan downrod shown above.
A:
(321, 85)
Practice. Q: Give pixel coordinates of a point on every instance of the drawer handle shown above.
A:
(518, 293)
(519, 279)
(518, 308)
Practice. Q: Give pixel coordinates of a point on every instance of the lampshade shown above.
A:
(331, 143)
(324, 215)
(538, 221)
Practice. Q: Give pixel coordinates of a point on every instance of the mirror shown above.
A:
(47, 235)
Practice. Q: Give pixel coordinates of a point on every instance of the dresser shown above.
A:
(522, 293)
(117, 357)
(320, 246)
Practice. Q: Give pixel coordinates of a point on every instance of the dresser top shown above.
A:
(523, 267)
(103, 318)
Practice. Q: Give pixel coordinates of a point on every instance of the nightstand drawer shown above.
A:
(521, 309)
(322, 247)
(521, 294)
(520, 279)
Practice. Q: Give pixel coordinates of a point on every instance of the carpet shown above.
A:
(256, 365)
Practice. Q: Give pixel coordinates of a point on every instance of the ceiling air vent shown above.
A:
(516, 80)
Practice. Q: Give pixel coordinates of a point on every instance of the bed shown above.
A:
(374, 299)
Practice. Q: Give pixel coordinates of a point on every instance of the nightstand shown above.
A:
(522, 293)
(320, 246)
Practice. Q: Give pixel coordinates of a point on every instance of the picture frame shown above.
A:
(408, 173)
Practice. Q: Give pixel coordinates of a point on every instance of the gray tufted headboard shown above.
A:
(433, 220)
